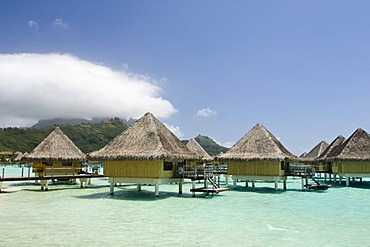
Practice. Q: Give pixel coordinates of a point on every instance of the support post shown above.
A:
(180, 186)
(111, 186)
(138, 187)
(227, 179)
(276, 184)
(246, 183)
(193, 187)
(156, 193)
(302, 184)
(253, 184)
(284, 184)
(347, 181)
(340, 179)
(234, 183)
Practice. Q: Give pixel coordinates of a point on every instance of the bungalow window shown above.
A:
(282, 165)
(45, 163)
(167, 166)
(66, 163)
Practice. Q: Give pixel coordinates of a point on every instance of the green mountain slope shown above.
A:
(88, 137)
(208, 144)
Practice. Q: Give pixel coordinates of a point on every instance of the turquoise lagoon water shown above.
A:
(69, 216)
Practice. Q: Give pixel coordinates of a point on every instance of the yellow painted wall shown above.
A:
(57, 168)
(255, 168)
(352, 167)
(136, 169)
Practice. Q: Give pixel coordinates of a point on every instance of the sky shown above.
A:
(215, 68)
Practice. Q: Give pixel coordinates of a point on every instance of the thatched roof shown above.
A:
(56, 146)
(315, 152)
(196, 148)
(356, 147)
(331, 148)
(303, 155)
(146, 139)
(257, 144)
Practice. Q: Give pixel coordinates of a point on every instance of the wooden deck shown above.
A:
(61, 177)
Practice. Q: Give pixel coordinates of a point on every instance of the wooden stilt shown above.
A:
(303, 184)
(180, 186)
(276, 185)
(253, 184)
(156, 193)
(193, 187)
(246, 183)
(138, 187)
(347, 181)
(111, 186)
(340, 179)
(284, 184)
(234, 183)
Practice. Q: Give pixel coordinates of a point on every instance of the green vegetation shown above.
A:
(210, 145)
(88, 137)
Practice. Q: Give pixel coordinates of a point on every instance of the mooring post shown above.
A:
(138, 187)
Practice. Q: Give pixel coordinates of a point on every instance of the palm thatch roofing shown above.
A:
(356, 147)
(196, 148)
(331, 148)
(146, 139)
(316, 151)
(257, 144)
(303, 155)
(56, 146)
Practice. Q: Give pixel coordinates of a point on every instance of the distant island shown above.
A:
(88, 135)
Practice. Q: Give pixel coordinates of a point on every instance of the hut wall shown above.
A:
(255, 167)
(352, 167)
(57, 167)
(137, 169)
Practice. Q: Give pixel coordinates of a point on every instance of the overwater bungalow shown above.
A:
(258, 155)
(315, 152)
(352, 157)
(321, 163)
(56, 155)
(146, 153)
(196, 148)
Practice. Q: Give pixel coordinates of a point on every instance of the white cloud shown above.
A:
(33, 24)
(206, 112)
(58, 23)
(175, 129)
(227, 144)
(44, 86)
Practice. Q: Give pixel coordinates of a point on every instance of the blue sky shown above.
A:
(216, 68)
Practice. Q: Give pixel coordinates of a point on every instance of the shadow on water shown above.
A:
(260, 190)
(143, 195)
